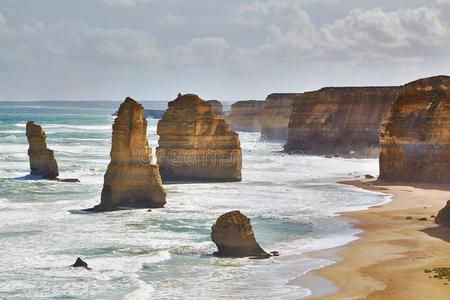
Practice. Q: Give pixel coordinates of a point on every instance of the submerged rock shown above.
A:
(443, 217)
(234, 237)
(42, 160)
(79, 263)
(131, 180)
(246, 115)
(415, 135)
(196, 144)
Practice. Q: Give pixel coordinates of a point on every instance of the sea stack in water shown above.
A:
(343, 121)
(216, 106)
(234, 237)
(246, 115)
(415, 136)
(443, 217)
(131, 181)
(42, 160)
(196, 144)
(275, 117)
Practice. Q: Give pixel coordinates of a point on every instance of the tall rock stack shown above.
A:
(246, 115)
(131, 181)
(217, 106)
(275, 117)
(42, 160)
(415, 136)
(196, 144)
(339, 121)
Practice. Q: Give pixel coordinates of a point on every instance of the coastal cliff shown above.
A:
(339, 121)
(216, 106)
(196, 144)
(246, 115)
(275, 117)
(42, 160)
(131, 180)
(415, 136)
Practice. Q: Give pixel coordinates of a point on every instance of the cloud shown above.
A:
(201, 51)
(171, 19)
(126, 3)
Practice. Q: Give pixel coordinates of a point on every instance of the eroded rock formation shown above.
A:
(443, 217)
(234, 237)
(216, 106)
(246, 115)
(275, 117)
(196, 144)
(42, 160)
(339, 121)
(415, 136)
(131, 181)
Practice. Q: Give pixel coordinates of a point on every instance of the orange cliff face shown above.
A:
(339, 121)
(415, 136)
(131, 180)
(196, 144)
(246, 115)
(275, 117)
(42, 160)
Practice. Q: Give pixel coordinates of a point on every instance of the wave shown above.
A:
(72, 127)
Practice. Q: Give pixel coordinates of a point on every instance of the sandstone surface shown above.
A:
(246, 115)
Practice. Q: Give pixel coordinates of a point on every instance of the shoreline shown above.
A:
(392, 251)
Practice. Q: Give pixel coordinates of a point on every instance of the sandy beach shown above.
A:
(395, 247)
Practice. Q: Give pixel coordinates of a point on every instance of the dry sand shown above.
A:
(389, 259)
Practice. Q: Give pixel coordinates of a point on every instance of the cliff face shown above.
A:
(275, 117)
(234, 237)
(42, 160)
(216, 106)
(339, 121)
(246, 115)
(196, 144)
(415, 136)
(131, 180)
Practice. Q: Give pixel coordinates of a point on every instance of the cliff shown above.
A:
(415, 136)
(233, 235)
(216, 106)
(42, 160)
(196, 144)
(131, 180)
(246, 115)
(275, 117)
(339, 121)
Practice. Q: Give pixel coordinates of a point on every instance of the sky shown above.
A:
(219, 49)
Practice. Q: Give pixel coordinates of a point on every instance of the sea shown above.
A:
(292, 200)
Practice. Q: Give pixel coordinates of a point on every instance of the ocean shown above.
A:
(292, 201)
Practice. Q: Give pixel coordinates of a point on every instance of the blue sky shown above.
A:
(227, 50)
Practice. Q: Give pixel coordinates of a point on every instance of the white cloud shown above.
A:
(126, 3)
(201, 51)
(171, 19)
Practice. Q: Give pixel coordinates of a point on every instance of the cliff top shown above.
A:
(245, 103)
(187, 100)
(130, 104)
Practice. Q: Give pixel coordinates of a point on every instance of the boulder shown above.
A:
(42, 160)
(246, 115)
(131, 180)
(415, 135)
(196, 144)
(443, 217)
(234, 237)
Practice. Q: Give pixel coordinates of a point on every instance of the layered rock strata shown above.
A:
(415, 136)
(233, 235)
(339, 121)
(275, 117)
(131, 181)
(42, 160)
(196, 144)
(246, 115)
(216, 106)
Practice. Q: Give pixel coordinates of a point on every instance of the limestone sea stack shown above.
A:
(234, 237)
(246, 115)
(339, 121)
(42, 160)
(275, 117)
(216, 106)
(443, 217)
(196, 144)
(131, 181)
(415, 136)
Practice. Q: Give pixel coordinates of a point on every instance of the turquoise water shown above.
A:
(165, 253)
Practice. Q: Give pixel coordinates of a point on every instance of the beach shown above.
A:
(395, 247)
